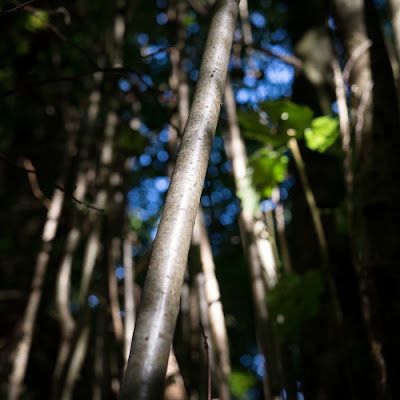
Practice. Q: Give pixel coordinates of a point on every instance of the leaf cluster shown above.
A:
(273, 124)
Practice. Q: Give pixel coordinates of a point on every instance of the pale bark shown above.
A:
(114, 256)
(176, 78)
(394, 6)
(214, 307)
(350, 18)
(205, 345)
(23, 347)
(280, 230)
(24, 344)
(179, 107)
(175, 387)
(130, 306)
(246, 27)
(84, 175)
(93, 243)
(157, 315)
(78, 357)
(235, 149)
(92, 249)
(90, 256)
(99, 356)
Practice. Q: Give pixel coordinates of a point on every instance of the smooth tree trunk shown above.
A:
(219, 343)
(145, 374)
(236, 151)
(63, 284)
(24, 343)
(22, 351)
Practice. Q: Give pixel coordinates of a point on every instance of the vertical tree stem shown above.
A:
(145, 374)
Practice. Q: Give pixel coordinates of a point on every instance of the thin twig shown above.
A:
(34, 12)
(345, 132)
(286, 58)
(13, 10)
(206, 348)
(36, 190)
(199, 8)
(55, 185)
(360, 115)
(364, 46)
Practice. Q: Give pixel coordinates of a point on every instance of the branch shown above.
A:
(286, 58)
(55, 185)
(145, 373)
(206, 349)
(365, 97)
(37, 192)
(357, 53)
(49, 25)
(13, 10)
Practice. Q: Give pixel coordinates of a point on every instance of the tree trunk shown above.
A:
(144, 378)
(376, 137)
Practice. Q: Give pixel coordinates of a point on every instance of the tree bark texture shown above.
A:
(235, 148)
(144, 378)
(377, 138)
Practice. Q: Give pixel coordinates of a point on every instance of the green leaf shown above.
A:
(240, 382)
(37, 21)
(268, 169)
(136, 223)
(277, 122)
(322, 134)
(188, 19)
(256, 127)
(291, 119)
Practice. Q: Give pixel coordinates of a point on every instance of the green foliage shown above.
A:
(277, 122)
(322, 134)
(280, 120)
(255, 128)
(188, 19)
(288, 118)
(294, 299)
(136, 223)
(240, 382)
(268, 168)
(37, 21)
